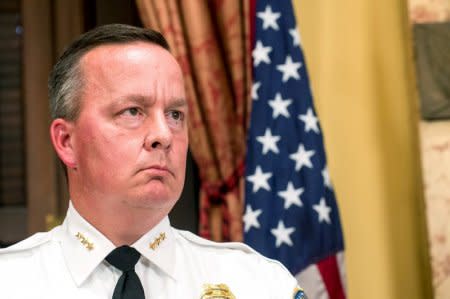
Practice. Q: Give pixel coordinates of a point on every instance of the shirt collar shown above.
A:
(85, 248)
(158, 247)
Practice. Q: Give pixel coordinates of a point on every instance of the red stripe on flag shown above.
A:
(329, 271)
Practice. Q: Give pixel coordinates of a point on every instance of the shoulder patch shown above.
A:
(299, 293)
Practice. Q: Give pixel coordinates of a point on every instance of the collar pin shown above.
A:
(155, 244)
(85, 241)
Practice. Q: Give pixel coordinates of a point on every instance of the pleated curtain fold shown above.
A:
(210, 41)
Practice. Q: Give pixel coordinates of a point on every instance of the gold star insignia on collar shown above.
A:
(85, 241)
(155, 244)
(221, 291)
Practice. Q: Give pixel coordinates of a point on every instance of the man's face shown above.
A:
(130, 139)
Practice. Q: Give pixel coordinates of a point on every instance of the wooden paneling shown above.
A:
(37, 61)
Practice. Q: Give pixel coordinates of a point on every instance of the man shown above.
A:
(120, 128)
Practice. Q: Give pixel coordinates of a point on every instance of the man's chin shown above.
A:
(152, 201)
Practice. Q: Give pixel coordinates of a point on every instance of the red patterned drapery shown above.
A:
(210, 40)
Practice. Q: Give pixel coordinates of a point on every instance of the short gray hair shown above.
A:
(66, 81)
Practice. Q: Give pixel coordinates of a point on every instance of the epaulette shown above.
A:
(208, 243)
(31, 242)
(226, 245)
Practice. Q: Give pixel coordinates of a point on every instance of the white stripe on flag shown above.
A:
(311, 281)
(340, 257)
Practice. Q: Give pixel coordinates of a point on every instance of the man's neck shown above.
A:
(121, 225)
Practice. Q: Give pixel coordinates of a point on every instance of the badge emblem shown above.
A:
(216, 291)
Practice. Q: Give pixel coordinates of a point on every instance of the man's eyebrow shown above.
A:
(147, 101)
(178, 102)
(139, 99)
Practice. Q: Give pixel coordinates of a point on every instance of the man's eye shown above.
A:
(176, 115)
(132, 111)
(130, 117)
(175, 118)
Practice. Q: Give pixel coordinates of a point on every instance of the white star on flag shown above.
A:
(255, 87)
(326, 177)
(269, 142)
(261, 54)
(323, 211)
(302, 157)
(291, 196)
(295, 36)
(310, 120)
(280, 106)
(296, 40)
(290, 206)
(251, 218)
(289, 69)
(282, 233)
(260, 179)
(269, 18)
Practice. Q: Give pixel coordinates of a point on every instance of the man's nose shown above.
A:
(159, 135)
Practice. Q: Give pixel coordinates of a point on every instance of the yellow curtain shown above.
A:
(361, 67)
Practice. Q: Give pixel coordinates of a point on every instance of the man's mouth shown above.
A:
(157, 170)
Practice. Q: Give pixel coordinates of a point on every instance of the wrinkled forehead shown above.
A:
(131, 53)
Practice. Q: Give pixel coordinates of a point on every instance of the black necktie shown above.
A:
(129, 286)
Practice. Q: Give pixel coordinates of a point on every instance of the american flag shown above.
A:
(290, 212)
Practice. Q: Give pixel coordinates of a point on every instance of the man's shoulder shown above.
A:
(26, 265)
(221, 247)
(235, 262)
(26, 247)
(234, 252)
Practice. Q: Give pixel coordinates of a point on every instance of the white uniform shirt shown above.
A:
(68, 262)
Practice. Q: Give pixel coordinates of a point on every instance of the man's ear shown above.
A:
(61, 134)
